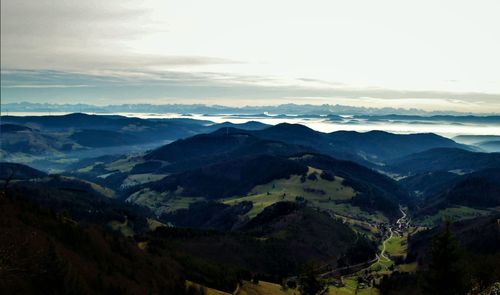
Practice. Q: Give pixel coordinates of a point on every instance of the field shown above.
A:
(161, 201)
(124, 165)
(396, 246)
(382, 266)
(98, 188)
(207, 291)
(351, 287)
(136, 179)
(266, 288)
(320, 192)
(122, 227)
(454, 213)
(410, 267)
(354, 213)
(248, 288)
(154, 224)
(360, 226)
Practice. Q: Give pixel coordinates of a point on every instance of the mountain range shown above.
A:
(218, 204)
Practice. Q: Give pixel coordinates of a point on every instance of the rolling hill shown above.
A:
(367, 148)
(444, 159)
(379, 146)
(58, 141)
(266, 179)
(229, 178)
(102, 138)
(478, 189)
(428, 184)
(464, 197)
(479, 235)
(474, 139)
(490, 146)
(275, 244)
(377, 191)
(487, 143)
(86, 202)
(14, 171)
(206, 149)
(78, 220)
(12, 128)
(29, 141)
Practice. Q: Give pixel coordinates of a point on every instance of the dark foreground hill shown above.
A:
(295, 230)
(86, 202)
(46, 253)
(480, 236)
(66, 252)
(460, 258)
(276, 243)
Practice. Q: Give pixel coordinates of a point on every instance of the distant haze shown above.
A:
(326, 118)
(430, 55)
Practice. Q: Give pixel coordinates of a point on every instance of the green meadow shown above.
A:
(320, 192)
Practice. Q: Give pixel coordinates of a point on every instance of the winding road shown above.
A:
(399, 224)
(382, 253)
(400, 220)
(351, 269)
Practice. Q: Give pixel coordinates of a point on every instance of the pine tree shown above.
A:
(310, 284)
(446, 275)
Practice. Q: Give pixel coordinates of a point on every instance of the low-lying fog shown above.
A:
(329, 124)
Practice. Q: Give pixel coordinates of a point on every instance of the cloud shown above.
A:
(134, 86)
(44, 86)
(32, 22)
(154, 49)
(84, 35)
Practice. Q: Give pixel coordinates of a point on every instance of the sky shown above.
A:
(432, 55)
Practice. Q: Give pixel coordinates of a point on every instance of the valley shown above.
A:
(249, 147)
(247, 207)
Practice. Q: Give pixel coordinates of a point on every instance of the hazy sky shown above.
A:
(434, 55)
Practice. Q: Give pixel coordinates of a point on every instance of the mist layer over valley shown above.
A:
(257, 183)
(258, 147)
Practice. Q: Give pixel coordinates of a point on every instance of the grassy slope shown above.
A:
(124, 165)
(321, 193)
(135, 179)
(288, 189)
(165, 201)
(396, 246)
(350, 288)
(454, 213)
(206, 290)
(248, 288)
(266, 288)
